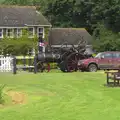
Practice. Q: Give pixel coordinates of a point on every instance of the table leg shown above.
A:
(118, 82)
(114, 80)
(107, 78)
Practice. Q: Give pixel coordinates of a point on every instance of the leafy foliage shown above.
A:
(76, 13)
(18, 46)
(18, 2)
(105, 40)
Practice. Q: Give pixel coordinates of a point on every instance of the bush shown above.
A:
(21, 61)
(1, 94)
(18, 46)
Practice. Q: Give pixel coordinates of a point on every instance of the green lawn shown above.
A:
(62, 96)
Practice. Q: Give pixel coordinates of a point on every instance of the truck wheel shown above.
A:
(92, 68)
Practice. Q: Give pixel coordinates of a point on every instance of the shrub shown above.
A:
(18, 46)
(1, 94)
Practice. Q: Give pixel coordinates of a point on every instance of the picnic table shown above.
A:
(113, 78)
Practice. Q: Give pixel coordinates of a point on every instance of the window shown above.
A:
(1, 33)
(116, 55)
(107, 55)
(9, 33)
(31, 32)
(19, 32)
(41, 32)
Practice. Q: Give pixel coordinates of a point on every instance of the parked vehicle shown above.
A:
(102, 61)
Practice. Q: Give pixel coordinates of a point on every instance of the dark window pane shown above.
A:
(31, 29)
(19, 30)
(116, 55)
(8, 33)
(41, 30)
(107, 55)
(31, 32)
(9, 30)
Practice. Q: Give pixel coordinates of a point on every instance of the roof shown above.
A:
(13, 16)
(58, 36)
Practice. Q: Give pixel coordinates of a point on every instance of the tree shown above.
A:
(107, 11)
(68, 13)
(77, 13)
(17, 2)
(106, 40)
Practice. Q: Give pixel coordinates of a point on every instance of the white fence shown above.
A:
(6, 64)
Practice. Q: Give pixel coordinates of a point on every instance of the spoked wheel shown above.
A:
(72, 61)
(43, 67)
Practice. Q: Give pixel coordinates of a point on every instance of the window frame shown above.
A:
(40, 32)
(104, 54)
(2, 33)
(32, 31)
(20, 32)
(12, 33)
(115, 55)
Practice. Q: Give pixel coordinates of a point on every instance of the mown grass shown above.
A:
(1, 1)
(62, 96)
(1, 94)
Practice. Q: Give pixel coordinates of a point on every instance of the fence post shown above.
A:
(24, 63)
(14, 65)
(35, 65)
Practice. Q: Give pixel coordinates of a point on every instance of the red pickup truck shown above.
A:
(103, 61)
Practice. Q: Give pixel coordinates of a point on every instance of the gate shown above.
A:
(6, 64)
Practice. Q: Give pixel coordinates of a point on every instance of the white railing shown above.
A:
(6, 64)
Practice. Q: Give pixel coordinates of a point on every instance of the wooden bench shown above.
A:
(114, 76)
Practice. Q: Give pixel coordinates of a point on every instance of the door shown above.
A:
(106, 61)
(116, 60)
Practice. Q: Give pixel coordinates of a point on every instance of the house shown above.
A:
(59, 36)
(14, 18)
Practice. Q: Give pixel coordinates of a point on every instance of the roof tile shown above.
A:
(21, 16)
(58, 36)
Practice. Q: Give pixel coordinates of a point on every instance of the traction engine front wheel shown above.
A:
(43, 67)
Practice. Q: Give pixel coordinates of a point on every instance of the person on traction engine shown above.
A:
(40, 44)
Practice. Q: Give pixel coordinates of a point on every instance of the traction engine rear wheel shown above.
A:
(72, 61)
